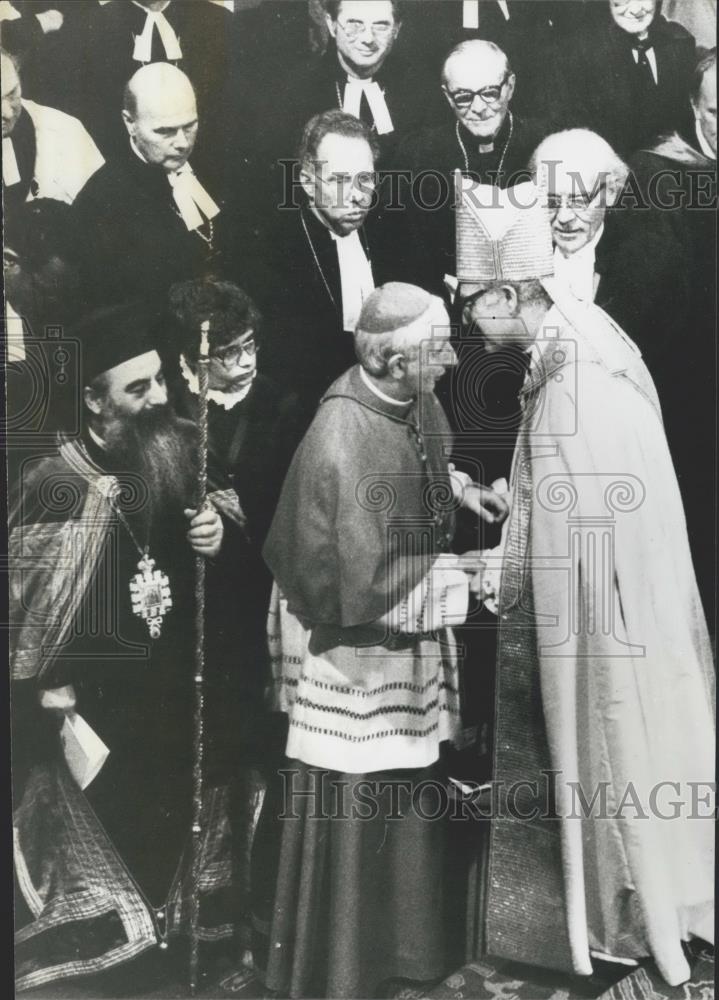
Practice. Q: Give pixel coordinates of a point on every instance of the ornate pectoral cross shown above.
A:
(150, 595)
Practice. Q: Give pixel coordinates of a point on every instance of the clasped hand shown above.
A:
(206, 531)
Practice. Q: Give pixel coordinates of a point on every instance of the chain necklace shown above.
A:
(504, 151)
(210, 225)
(316, 260)
(207, 239)
(149, 588)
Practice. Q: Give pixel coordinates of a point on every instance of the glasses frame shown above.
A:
(231, 356)
(565, 199)
(489, 101)
(379, 30)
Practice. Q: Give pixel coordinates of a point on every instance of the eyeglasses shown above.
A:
(380, 29)
(580, 204)
(230, 356)
(464, 99)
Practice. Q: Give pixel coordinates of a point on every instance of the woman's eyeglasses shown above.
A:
(230, 356)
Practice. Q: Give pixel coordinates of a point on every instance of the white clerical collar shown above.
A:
(354, 89)
(224, 399)
(96, 438)
(162, 9)
(470, 13)
(14, 333)
(10, 168)
(381, 395)
(142, 51)
(703, 144)
(576, 270)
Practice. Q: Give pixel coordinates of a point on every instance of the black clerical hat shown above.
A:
(115, 334)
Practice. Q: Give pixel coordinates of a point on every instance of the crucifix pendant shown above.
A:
(150, 595)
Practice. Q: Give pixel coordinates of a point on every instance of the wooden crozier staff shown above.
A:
(198, 742)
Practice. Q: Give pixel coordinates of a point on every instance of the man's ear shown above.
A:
(397, 366)
(447, 97)
(93, 400)
(331, 26)
(128, 121)
(511, 297)
(511, 84)
(308, 182)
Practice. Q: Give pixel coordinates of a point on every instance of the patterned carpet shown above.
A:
(494, 980)
(488, 979)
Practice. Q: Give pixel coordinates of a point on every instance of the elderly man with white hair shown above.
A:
(148, 220)
(366, 669)
(612, 247)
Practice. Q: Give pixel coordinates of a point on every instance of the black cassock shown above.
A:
(132, 239)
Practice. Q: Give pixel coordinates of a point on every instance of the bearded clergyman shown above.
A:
(104, 537)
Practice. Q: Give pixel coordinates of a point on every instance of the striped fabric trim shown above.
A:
(371, 692)
(361, 716)
(371, 737)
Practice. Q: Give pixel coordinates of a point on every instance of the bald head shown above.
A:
(160, 114)
(583, 176)
(478, 83)
(474, 55)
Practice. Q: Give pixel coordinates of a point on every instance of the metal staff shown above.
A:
(198, 743)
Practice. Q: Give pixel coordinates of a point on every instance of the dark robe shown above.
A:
(98, 62)
(422, 234)
(306, 345)
(431, 29)
(594, 81)
(320, 86)
(132, 240)
(687, 180)
(250, 448)
(137, 694)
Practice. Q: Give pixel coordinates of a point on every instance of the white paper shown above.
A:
(84, 751)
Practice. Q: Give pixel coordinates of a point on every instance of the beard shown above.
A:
(160, 449)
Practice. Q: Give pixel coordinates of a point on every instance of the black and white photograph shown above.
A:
(360, 453)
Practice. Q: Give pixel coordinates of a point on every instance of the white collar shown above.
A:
(703, 144)
(224, 399)
(162, 9)
(96, 438)
(137, 152)
(381, 395)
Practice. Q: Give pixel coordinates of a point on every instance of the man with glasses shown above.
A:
(525, 31)
(315, 265)
(607, 249)
(481, 136)
(639, 265)
(364, 73)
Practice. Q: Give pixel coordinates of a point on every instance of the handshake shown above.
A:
(490, 504)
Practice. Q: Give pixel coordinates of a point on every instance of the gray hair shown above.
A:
(374, 350)
(572, 144)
